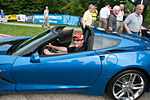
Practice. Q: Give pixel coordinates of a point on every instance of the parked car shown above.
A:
(114, 63)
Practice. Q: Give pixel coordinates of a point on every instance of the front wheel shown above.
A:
(127, 85)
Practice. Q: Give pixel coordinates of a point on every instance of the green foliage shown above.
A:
(147, 17)
(74, 7)
(130, 6)
(71, 7)
(21, 6)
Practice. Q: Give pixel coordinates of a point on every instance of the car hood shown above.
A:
(6, 43)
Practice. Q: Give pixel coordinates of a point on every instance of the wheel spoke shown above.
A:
(120, 81)
(131, 92)
(119, 85)
(121, 94)
(137, 86)
(132, 78)
(138, 93)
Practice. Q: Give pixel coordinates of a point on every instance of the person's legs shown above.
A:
(2, 20)
(100, 23)
(94, 23)
(43, 23)
(105, 23)
(47, 22)
(119, 27)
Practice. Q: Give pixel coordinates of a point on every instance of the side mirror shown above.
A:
(35, 58)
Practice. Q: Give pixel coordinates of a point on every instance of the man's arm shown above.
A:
(57, 47)
(107, 16)
(127, 29)
(110, 23)
(84, 21)
(47, 52)
(44, 14)
(126, 22)
(140, 32)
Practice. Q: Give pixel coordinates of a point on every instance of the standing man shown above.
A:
(104, 15)
(112, 20)
(94, 16)
(133, 22)
(46, 17)
(2, 16)
(87, 17)
(120, 19)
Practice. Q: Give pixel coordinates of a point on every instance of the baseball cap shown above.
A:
(79, 36)
(46, 6)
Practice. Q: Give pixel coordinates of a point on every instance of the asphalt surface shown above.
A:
(58, 96)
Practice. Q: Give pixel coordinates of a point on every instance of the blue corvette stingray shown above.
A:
(118, 64)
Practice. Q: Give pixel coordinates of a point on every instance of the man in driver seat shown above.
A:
(78, 40)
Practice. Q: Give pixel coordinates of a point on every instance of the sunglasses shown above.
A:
(77, 40)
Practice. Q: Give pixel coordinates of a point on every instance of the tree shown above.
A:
(21, 6)
(74, 7)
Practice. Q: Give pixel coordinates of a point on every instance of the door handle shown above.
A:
(102, 57)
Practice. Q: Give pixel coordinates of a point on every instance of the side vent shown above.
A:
(6, 80)
(116, 50)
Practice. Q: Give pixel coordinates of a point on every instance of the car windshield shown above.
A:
(31, 40)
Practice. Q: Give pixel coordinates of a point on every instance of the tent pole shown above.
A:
(141, 2)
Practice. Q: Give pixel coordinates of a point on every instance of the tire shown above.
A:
(127, 85)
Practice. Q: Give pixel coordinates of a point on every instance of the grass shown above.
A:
(16, 30)
(50, 24)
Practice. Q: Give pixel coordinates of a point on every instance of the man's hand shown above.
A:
(127, 29)
(129, 32)
(140, 34)
(47, 52)
(50, 45)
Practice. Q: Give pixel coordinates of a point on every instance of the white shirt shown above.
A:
(120, 16)
(88, 17)
(46, 13)
(104, 12)
(134, 22)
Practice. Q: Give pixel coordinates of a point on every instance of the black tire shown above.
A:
(127, 85)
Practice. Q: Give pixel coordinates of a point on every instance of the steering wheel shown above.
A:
(49, 48)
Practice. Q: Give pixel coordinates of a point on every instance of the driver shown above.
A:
(78, 40)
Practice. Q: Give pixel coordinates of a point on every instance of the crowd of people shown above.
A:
(114, 20)
(110, 19)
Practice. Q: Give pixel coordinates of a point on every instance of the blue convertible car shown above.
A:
(118, 64)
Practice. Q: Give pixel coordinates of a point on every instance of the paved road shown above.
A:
(58, 96)
(37, 25)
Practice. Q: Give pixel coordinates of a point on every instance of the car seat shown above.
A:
(88, 37)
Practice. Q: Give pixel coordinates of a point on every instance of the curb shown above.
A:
(4, 35)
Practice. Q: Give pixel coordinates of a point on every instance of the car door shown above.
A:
(7, 83)
(69, 71)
